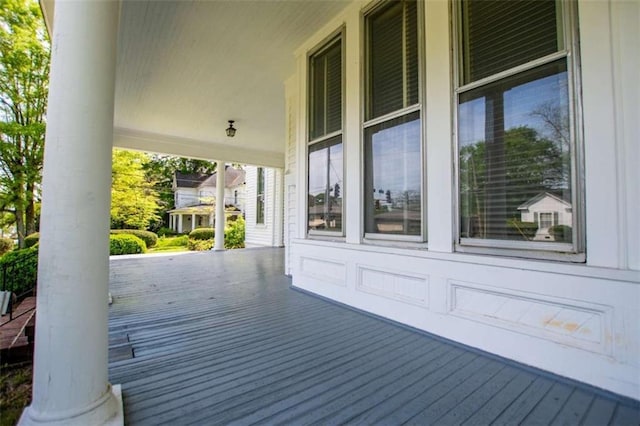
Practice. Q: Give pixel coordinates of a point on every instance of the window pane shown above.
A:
(326, 91)
(498, 35)
(515, 157)
(260, 196)
(393, 58)
(325, 185)
(392, 177)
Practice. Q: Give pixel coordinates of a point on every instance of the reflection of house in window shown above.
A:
(546, 210)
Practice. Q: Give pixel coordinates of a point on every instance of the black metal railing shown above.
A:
(20, 278)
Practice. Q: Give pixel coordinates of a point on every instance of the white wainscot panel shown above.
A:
(330, 271)
(393, 285)
(574, 323)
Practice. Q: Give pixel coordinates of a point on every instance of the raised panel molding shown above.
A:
(399, 286)
(329, 271)
(570, 322)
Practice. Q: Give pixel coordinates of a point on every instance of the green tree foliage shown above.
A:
(24, 79)
(533, 164)
(134, 201)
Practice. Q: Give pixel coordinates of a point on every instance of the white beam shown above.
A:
(185, 147)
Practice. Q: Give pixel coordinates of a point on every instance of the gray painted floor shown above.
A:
(220, 338)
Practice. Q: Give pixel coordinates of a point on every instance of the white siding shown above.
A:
(577, 320)
(290, 174)
(269, 233)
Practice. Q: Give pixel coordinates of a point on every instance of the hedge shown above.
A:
(524, 230)
(20, 270)
(200, 245)
(126, 244)
(148, 237)
(562, 233)
(202, 234)
(31, 240)
(6, 245)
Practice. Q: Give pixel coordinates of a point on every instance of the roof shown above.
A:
(189, 180)
(232, 177)
(540, 196)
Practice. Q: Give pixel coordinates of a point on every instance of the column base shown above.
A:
(218, 249)
(108, 411)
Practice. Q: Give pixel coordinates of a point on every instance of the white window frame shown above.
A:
(325, 44)
(575, 251)
(414, 241)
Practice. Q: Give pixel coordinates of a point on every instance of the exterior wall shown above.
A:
(186, 197)
(269, 233)
(289, 206)
(578, 320)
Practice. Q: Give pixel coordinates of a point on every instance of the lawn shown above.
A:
(15, 392)
(170, 244)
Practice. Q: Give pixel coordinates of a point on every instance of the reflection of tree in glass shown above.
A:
(532, 164)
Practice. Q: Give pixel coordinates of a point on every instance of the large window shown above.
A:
(325, 180)
(516, 146)
(392, 130)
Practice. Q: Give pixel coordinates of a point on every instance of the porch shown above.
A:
(220, 337)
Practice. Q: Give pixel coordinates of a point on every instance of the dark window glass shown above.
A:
(393, 58)
(498, 35)
(260, 196)
(325, 113)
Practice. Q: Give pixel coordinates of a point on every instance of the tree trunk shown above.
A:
(20, 226)
(30, 210)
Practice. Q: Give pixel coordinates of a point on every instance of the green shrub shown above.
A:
(6, 245)
(166, 232)
(202, 234)
(31, 240)
(522, 230)
(200, 245)
(126, 244)
(562, 233)
(234, 234)
(149, 238)
(19, 270)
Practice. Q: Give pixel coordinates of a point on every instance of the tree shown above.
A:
(24, 79)
(134, 201)
(531, 164)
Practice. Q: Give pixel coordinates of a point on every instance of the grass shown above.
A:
(170, 244)
(15, 392)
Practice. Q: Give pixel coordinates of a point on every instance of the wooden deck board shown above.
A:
(220, 338)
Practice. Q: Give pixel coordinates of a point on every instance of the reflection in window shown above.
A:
(515, 157)
(325, 185)
(392, 176)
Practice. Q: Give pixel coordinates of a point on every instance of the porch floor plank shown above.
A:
(221, 338)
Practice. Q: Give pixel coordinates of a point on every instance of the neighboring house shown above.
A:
(546, 210)
(435, 99)
(195, 198)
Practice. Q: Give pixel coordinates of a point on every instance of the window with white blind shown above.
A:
(325, 165)
(517, 156)
(393, 164)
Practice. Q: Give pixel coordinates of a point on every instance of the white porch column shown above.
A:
(179, 223)
(219, 238)
(193, 221)
(70, 382)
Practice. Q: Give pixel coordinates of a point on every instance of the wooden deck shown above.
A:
(220, 338)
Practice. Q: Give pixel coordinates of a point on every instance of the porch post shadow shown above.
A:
(70, 379)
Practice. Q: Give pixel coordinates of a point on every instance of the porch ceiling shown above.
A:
(186, 67)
